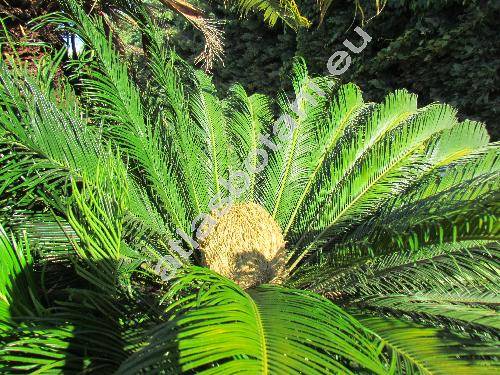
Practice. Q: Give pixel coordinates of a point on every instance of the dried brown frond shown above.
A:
(214, 36)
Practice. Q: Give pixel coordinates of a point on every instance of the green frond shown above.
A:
(445, 218)
(416, 349)
(207, 114)
(342, 109)
(43, 145)
(17, 286)
(192, 119)
(49, 234)
(379, 160)
(480, 297)
(172, 111)
(248, 118)
(480, 317)
(83, 335)
(482, 164)
(455, 143)
(57, 146)
(351, 271)
(460, 271)
(97, 215)
(272, 10)
(109, 88)
(143, 215)
(358, 140)
(219, 328)
(297, 137)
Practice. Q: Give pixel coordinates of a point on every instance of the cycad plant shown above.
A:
(344, 237)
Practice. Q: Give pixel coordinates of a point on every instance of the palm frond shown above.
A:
(97, 215)
(410, 345)
(119, 102)
(248, 117)
(433, 307)
(172, 110)
(483, 164)
(378, 160)
(460, 271)
(206, 112)
(350, 277)
(295, 135)
(82, 334)
(287, 10)
(17, 286)
(48, 233)
(220, 328)
(346, 105)
(42, 144)
(444, 218)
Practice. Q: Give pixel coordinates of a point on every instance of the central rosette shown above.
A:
(245, 245)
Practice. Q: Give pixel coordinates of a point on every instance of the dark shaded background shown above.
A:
(446, 50)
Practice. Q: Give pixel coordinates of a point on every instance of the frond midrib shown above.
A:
(254, 148)
(362, 153)
(261, 333)
(312, 176)
(407, 355)
(287, 172)
(360, 195)
(190, 178)
(214, 160)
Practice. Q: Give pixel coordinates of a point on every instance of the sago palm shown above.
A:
(364, 239)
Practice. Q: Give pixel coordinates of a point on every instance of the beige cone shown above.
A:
(245, 245)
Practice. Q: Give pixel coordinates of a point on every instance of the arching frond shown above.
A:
(349, 276)
(43, 145)
(344, 162)
(82, 334)
(296, 155)
(17, 285)
(445, 218)
(382, 156)
(483, 164)
(248, 118)
(97, 215)
(172, 110)
(459, 271)
(207, 114)
(433, 307)
(48, 233)
(342, 110)
(119, 102)
(410, 343)
(39, 159)
(220, 328)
